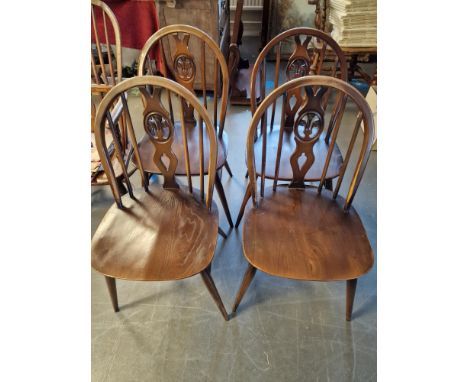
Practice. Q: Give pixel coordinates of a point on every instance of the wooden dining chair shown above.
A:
(305, 232)
(157, 232)
(189, 66)
(106, 72)
(307, 51)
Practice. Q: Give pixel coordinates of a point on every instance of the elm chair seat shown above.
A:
(327, 244)
(160, 235)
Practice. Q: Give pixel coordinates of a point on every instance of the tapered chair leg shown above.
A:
(226, 164)
(350, 292)
(210, 285)
(248, 277)
(110, 281)
(242, 209)
(222, 197)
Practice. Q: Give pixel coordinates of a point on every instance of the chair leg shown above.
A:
(226, 164)
(350, 292)
(248, 277)
(242, 209)
(110, 281)
(222, 196)
(222, 233)
(210, 285)
(329, 184)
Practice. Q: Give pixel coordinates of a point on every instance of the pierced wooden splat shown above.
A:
(307, 130)
(299, 61)
(298, 66)
(184, 64)
(158, 125)
(184, 70)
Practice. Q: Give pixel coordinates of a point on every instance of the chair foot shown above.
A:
(242, 209)
(110, 281)
(228, 169)
(210, 285)
(350, 292)
(222, 197)
(248, 277)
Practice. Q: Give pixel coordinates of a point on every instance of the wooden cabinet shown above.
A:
(211, 16)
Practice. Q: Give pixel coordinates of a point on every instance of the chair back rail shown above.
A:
(308, 130)
(184, 65)
(159, 128)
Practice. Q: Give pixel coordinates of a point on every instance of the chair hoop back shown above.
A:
(103, 73)
(159, 127)
(184, 67)
(308, 129)
(301, 62)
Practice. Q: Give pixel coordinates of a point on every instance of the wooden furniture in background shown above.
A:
(210, 16)
(185, 68)
(298, 231)
(155, 232)
(106, 72)
(240, 77)
(308, 57)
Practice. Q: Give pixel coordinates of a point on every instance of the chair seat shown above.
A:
(289, 145)
(162, 235)
(146, 149)
(300, 234)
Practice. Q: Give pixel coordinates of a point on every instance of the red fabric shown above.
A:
(137, 19)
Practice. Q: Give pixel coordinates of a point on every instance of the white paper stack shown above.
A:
(354, 22)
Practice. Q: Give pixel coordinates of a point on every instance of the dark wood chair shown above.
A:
(155, 232)
(313, 53)
(184, 69)
(106, 72)
(296, 230)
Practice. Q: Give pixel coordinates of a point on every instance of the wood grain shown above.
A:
(160, 235)
(313, 238)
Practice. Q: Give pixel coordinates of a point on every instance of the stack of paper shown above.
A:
(354, 22)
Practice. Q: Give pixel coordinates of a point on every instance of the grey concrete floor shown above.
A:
(284, 330)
